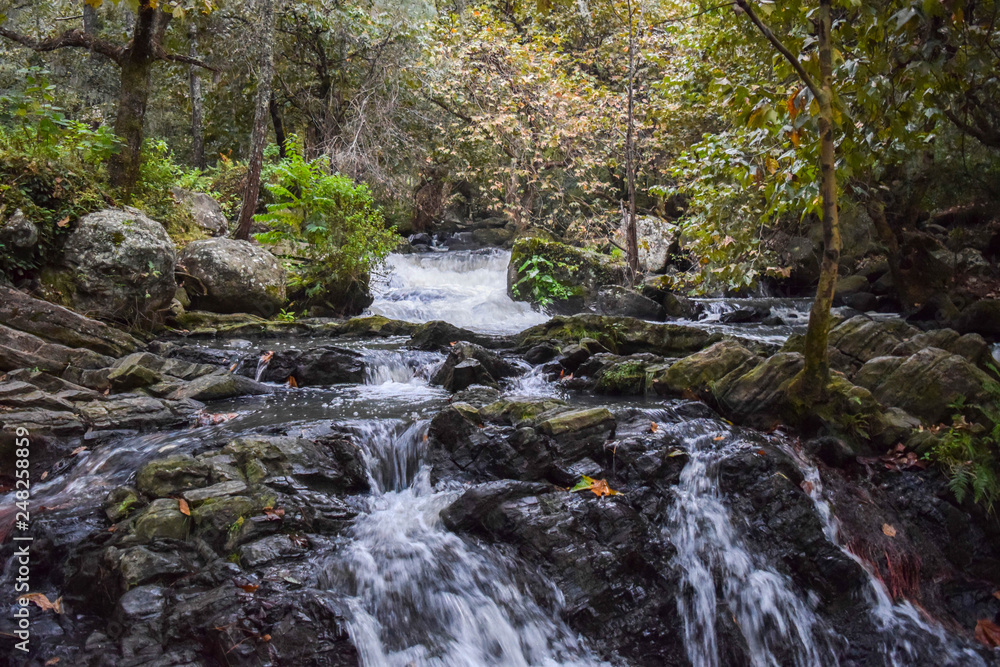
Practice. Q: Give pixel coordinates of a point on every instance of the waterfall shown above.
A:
(465, 288)
(422, 595)
(262, 363)
(777, 624)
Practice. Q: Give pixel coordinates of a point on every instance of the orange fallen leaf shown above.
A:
(721, 437)
(182, 505)
(806, 486)
(452, 343)
(996, 594)
(273, 514)
(598, 486)
(888, 530)
(248, 588)
(988, 632)
(113, 528)
(51, 661)
(62, 223)
(265, 638)
(762, 452)
(267, 356)
(292, 382)
(653, 426)
(44, 475)
(43, 602)
(78, 450)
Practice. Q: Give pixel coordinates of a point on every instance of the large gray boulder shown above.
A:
(18, 233)
(655, 237)
(205, 211)
(117, 264)
(230, 276)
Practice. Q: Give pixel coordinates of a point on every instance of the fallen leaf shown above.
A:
(762, 452)
(598, 486)
(653, 427)
(248, 588)
(888, 530)
(234, 366)
(62, 223)
(721, 437)
(807, 486)
(273, 514)
(43, 602)
(299, 540)
(996, 594)
(182, 505)
(676, 452)
(51, 661)
(78, 450)
(988, 632)
(44, 475)
(265, 638)
(267, 356)
(292, 382)
(113, 528)
(452, 343)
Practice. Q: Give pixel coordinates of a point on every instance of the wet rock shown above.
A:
(832, 451)
(132, 375)
(863, 339)
(623, 335)
(153, 563)
(850, 285)
(140, 413)
(970, 346)
(438, 335)
(981, 317)
(116, 264)
(656, 238)
(121, 502)
(541, 353)
(60, 325)
(171, 476)
(268, 549)
(205, 211)
(863, 302)
(745, 315)
(477, 395)
(215, 518)
(680, 307)
(468, 364)
(218, 386)
(579, 433)
(162, 519)
(23, 350)
(141, 604)
(926, 383)
(333, 463)
(314, 366)
(697, 372)
(581, 272)
(625, 302)
(625, 378)
(515, 411)
(56, 386)
(231, 488)
(231, 276)
(758, 397)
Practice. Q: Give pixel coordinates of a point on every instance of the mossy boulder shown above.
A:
(625, 378)
(580, 273)
(515, 411)
(216, 517)
(622, 335)
(163, 519)
(231, 276)
(698, 372)
(171, 475)
(116, 264)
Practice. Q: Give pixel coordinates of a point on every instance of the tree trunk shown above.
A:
(279, 127)
(813, 380)
(261, 113)
(888, 237)
(133, 96)
(197, 131)
(631, 237)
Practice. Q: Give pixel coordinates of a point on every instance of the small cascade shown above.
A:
(422, 595)
(907, 636)
(262, 363)
(466, 288)
(399, 366)
(778, 625)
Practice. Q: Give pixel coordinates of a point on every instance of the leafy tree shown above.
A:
(135, 59)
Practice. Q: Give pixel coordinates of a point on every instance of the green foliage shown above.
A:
(344, 235)
(536, 278)
(970, 453)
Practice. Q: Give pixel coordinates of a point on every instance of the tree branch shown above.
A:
(75, 38)
(186, 60)
(782, 49)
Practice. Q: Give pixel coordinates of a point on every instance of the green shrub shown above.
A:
(538, 281)
(344, 235)
(969, 453)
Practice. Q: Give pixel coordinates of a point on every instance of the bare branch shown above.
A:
(75, 38)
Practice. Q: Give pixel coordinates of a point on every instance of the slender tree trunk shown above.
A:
(279, 127)
(133, 96)
(888, 237)
(814, 377)
(631, 237)
(260, 121)
(197, 131)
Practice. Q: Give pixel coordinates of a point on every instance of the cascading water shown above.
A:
(465, 288)
(422, 595)
(779, 627)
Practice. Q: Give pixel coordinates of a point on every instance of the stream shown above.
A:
(421, 594)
